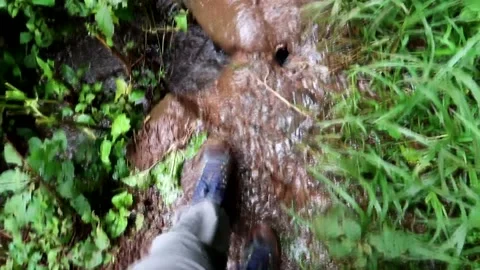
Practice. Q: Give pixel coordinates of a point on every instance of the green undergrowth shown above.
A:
(401, 153)
(165, 175)
(66, 188)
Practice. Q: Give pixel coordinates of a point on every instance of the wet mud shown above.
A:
(248, 25)
(262, 100)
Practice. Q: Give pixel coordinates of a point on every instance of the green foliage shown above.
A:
(66, 172)
(408, 146)
(13, 180)
(166, 174)
(56, 188)
(120, 125)
(117, 218)
(46, 194)
(103, 17)
(11, 155)
(41, 32)
(180, 19)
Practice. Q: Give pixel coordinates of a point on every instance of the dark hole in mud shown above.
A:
(217, 48)
(281, 54)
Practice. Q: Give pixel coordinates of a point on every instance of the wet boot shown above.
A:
(262, 251)
(199, 239)
(216, 169)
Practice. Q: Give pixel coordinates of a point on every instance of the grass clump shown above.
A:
(404, 139)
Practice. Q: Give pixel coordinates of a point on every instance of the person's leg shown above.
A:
(203, 228)
(184, 246)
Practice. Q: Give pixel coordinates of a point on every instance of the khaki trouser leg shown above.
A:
(201, 227)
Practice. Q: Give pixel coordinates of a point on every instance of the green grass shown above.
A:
(406, 148)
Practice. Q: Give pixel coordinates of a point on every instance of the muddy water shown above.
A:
(263, 106)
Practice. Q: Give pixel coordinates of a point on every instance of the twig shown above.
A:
(138, 61)
(290, 105)
(115, 52)
(155, 30)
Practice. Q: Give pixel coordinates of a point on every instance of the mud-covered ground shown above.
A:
(252, 77)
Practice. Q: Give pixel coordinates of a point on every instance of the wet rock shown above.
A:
(195, 61)
(167, 127)
(248, 25)
(99, 62)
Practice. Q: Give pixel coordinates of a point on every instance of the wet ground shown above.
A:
(251, 75)
(263, 102)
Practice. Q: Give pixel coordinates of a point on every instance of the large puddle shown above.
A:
(262, 99)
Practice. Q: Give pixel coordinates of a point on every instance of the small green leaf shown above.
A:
(97, 87)
(352, 229)
(101, 239)
(17, 206)
(95, 260)
(11, 155)
(13, 180)
(392, 243)
(195, 144)
(103, 17)
(3, 3)
(52, 256)
(80, 107)
(61, 138)
(57, 88)
(181, 23)
(136, 96)
(48, 3)
(67, 112)
(410, 154)
(46, 68)
(327, 226)
(69, 75)
(84, 119)
(116, 222)
(90, 3)
(120, 125)
(340, 249)
(82, 206)
(15, 95)
(17, 72)
(89, 98)
(140, 179)
(66, 189)
(122, 88)
(122, 200)
(105, 149)
(25, 37)
(121, 169)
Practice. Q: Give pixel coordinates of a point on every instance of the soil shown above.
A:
(252, 76)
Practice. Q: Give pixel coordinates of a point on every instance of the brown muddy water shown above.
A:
(262, 99)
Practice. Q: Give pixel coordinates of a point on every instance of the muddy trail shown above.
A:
(247, 72)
